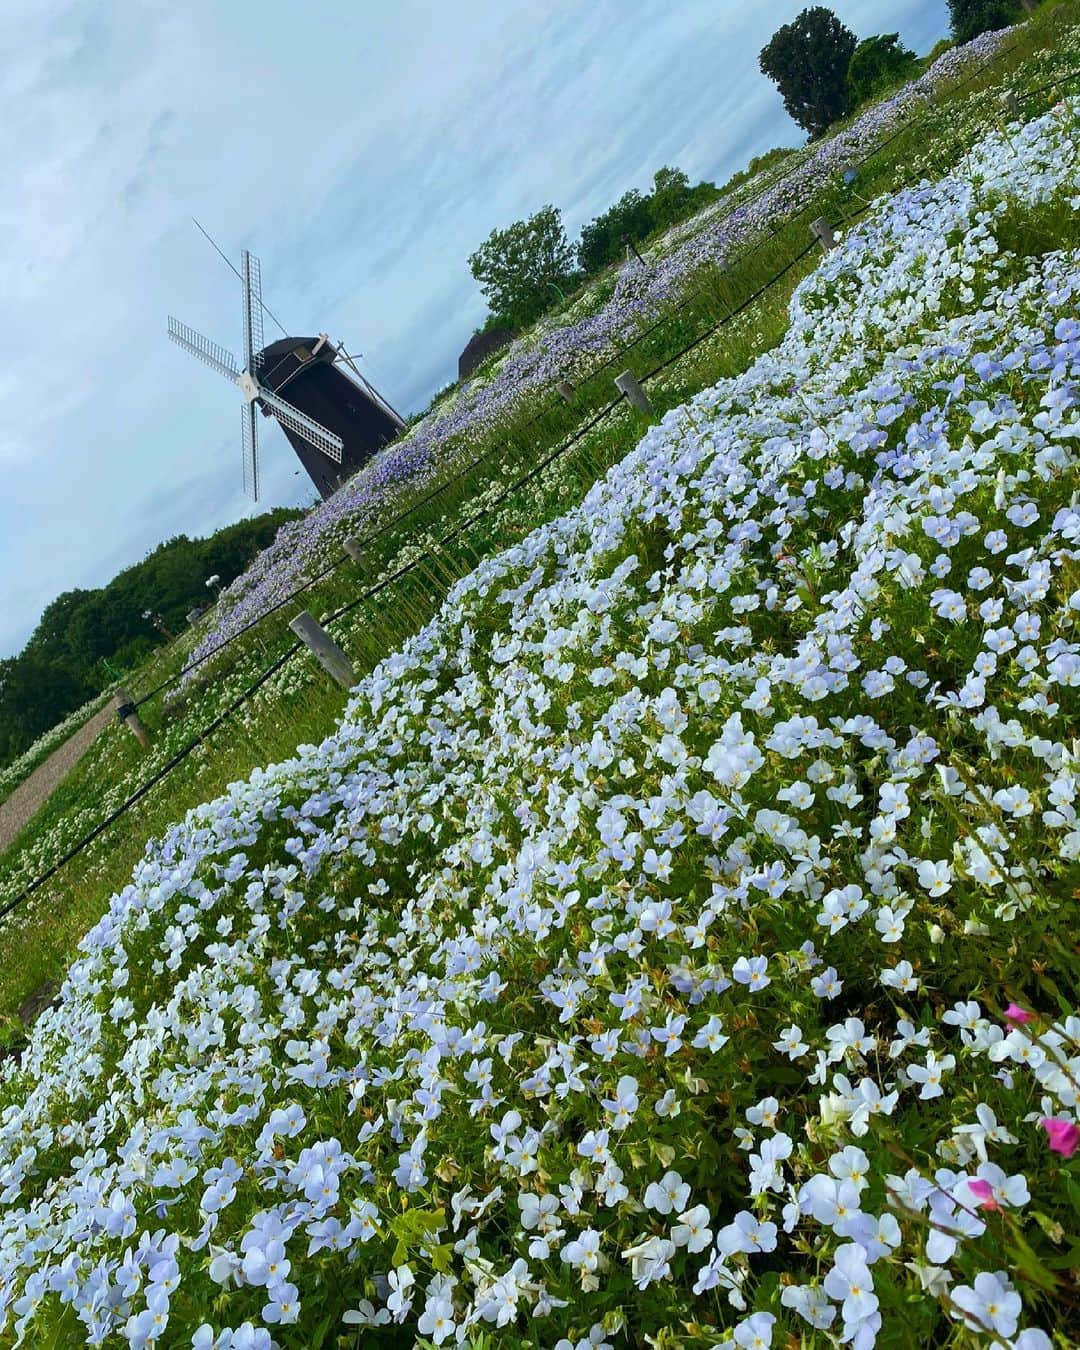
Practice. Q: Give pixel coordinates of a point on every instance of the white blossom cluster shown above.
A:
(649, 949)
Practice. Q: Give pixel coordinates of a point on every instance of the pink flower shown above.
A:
(1063, 1135)
(984, 1192)
(1014, 1013)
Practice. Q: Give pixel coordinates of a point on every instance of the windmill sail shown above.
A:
(313, 432)
(335, 423)
(253, 308)
(250, 443)
(213, 353)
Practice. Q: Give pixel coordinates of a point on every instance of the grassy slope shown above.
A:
(299, 705)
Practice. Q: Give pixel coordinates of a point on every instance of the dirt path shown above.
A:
(29, 796)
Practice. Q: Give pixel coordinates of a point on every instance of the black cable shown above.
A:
(230, 262)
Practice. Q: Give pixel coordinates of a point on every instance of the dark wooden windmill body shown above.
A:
(333, 417)
(308, 372)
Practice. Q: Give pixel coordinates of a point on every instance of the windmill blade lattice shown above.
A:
(253, 309)
(313, 432)
(214, 354)
(250, 442)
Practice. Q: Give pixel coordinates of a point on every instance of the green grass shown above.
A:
(300, 704)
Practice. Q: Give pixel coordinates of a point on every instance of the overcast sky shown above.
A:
(362, 151)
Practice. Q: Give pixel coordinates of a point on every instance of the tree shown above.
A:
(877, 63)
(808, 61)
(969, 18)
(518, 267)
(601, 240)
(61, 665)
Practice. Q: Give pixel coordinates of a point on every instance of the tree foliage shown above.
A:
(876, 64)
(637, 215)
(674, 197)
(62, 665)
(969, 18)
(522, 267)
(808, 61)
(601, 240)
(768, 160)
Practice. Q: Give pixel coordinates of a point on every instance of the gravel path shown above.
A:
(31, 795)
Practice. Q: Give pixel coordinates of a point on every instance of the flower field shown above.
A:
(596, 329)
(676, 938)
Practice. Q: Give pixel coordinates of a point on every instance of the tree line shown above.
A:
(527, 268)
(823, 72)
(87, 637)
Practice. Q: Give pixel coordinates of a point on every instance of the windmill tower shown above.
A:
(334, 418)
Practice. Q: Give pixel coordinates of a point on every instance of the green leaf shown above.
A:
(442, 1257)
(318, 1336)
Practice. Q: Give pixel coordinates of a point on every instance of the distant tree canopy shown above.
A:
(969, 18)
(62, 665)
(674, 197)
(637, 215)
(524, 269)
(757, 165)
(808, 61)
(876, 64)
(601, 240)
(521, 268)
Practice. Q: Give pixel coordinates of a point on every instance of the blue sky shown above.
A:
(362, 151)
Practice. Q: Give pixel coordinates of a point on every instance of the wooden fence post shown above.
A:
(125, 710)
(633, 392)
(823, 233)
(325, 650)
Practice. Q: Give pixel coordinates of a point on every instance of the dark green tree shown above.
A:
(808, 61)
(522, 268)
(672, 197)
(37, 693)
(877, 64)
(61, 665)
(969, 18)
(601, 240)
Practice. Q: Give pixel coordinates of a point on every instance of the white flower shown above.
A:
(667, 1196)
(935, 877)
(751, 971)
(990, 1305)
(584, 1250)
(930, 1074)
(650, 1260)
(692, 1231)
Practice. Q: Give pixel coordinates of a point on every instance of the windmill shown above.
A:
(335, 421)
